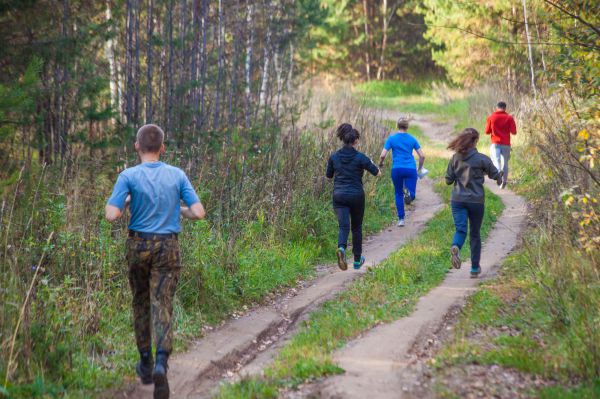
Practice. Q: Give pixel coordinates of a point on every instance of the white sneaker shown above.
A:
(401, 223)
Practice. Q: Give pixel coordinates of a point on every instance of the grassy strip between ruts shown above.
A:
(384, 294)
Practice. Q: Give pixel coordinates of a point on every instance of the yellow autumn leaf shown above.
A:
(583, 135)
(569, 201)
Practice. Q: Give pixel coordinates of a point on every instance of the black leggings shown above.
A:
(350, 210)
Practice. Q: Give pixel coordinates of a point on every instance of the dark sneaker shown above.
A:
(144, 371)
(358, 265)
(503, 184)
(407, 197)
(455, 252)
(341, 257)
(144, 367)
(475, 272)
(161, 384)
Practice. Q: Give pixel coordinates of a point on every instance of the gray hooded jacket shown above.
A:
(467, 173)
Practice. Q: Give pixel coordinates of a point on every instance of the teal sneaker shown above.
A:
(358, 264)
(341, 258)
(475, 272)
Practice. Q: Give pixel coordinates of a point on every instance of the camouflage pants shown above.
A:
(154, 268)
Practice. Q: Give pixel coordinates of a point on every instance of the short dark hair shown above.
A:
(501, 105)
(347, 133)
(150, 138)
(402, 124)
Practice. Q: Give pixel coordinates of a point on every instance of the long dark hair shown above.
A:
(466, 140)
(347, 134)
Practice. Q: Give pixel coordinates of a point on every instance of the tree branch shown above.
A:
(575, 16)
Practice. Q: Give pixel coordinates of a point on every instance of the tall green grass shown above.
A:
(270, 222)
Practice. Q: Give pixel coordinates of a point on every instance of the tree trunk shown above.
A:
(384, 17)
(129, 64)
(109, 52)
(290, 76)
(204, 61)
(249, 49)
(367, 36)
(138, 68)
(149, 62)
(530, 52)
(195, 54)
(220, 40)
(169, 77)
(265, 69)
(541, 46)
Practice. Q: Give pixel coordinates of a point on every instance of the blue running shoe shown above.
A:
(341, 258)
(358, 264)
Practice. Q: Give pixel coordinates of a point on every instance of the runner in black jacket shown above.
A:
(347, 167)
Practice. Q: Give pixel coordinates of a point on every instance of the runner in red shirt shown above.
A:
(500, 125)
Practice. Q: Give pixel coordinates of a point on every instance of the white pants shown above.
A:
(500, 155)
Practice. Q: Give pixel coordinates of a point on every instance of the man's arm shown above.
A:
(118, 201)
(194, 209)
(382, 157)
(421, 158)
(371, 167)
(488, 125)
(492, 172)
(194, 212)
(450, 176)
(329, 172)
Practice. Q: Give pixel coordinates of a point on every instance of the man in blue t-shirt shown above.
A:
(404, 171)
(153, 191)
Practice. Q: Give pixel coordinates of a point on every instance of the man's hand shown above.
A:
(194, 212)
(112, 213)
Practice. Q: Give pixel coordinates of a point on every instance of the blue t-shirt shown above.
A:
(402, 146)
(156, 191)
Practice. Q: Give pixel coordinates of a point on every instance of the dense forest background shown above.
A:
(238, 87)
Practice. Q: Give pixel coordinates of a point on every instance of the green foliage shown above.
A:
(350, 40)
(390, 88)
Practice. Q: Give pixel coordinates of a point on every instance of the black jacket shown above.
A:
(347, 166)
(467, 173)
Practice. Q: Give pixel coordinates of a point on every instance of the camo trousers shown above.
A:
(154, 268)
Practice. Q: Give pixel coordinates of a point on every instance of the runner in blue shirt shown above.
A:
(404, 170)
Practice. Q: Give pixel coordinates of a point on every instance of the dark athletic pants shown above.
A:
(350, 210)
(471, 214)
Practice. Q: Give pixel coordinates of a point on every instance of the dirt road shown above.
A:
(250, 341)
(375, 363)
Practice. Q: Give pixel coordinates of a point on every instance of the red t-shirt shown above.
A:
(500, 125)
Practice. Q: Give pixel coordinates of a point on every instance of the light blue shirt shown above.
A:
(402, 146)
(156, 191)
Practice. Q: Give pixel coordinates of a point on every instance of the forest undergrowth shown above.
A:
(66, 323)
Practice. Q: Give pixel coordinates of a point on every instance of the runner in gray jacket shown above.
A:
(467, 170)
